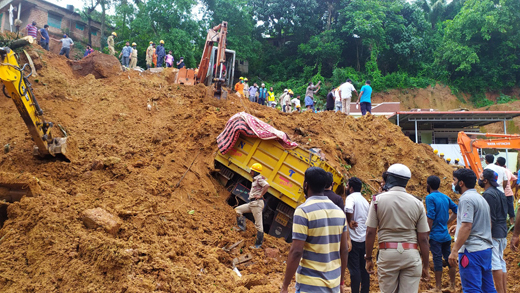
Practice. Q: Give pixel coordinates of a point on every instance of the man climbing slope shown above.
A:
(255, 204)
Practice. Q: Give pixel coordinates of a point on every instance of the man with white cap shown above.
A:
(403, 230)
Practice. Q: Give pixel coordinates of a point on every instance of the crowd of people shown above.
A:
(338, 99)
(156, 56)
(331, 235)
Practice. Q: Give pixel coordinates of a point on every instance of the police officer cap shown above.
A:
(400, 171)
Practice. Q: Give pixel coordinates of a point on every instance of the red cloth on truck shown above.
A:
(248, 125)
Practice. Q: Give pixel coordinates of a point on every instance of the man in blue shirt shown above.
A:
(127, 50)
(366, 98)
(262, 94)
(44, 40)
(438, 206)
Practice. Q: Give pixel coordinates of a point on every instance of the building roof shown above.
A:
(383, 109)
(452, 119)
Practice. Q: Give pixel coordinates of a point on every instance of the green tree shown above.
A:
(480, 46)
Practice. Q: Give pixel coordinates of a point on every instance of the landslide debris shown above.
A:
(129, 160)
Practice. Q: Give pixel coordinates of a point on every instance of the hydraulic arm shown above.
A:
(469, 147)
(16, 86)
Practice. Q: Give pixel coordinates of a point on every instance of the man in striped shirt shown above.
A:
(319, 250)
(32, 30)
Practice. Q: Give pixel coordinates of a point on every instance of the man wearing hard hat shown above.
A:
(110, 43)
(239, 86)
(161, 53)
(149, 55)
(255, 204)
(133, 56)
(403, 230)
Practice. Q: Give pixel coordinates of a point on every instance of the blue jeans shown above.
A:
(511, 206)
(125, 61)
(366, 107)
(439, 250)
(261, 101)
(477, 276)
(65, 51)
(45, 45)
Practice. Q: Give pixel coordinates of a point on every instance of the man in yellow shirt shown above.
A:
(271, 101)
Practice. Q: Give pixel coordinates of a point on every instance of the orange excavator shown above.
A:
(214, 68)
(469, 146)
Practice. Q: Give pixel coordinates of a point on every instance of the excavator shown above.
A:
(469, 146)
(215, 67)
(16, 86)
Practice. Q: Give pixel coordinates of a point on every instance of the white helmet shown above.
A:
(285, 90)
(400, 171)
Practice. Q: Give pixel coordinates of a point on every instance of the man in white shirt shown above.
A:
(502, 177)
(356, 208)
(345, 94)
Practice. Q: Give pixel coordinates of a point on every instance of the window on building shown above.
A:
(94, 33)
(80, 26)
(54, 20)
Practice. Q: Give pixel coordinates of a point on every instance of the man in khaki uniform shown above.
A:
(110, 43)
(255, 204)
(149, 55)
(403, 228)
(133, 56)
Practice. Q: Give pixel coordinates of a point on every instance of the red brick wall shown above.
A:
(39, 13)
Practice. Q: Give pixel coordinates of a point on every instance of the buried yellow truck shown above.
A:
(284, 170)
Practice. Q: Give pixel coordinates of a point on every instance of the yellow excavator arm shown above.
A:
(16, 86)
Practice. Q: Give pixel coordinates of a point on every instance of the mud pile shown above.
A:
(131, 161)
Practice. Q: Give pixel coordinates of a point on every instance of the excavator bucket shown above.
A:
(13, 187)
(185, 76)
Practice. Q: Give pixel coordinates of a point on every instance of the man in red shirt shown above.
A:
(32, 30)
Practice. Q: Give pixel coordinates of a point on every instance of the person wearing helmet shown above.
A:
(133, 56)
(296, 104)
(239, 86)
(287, 101)
(435, 152)
(149, 55)
(262, 94)
(246, 87)
(161, 53)
(125, 54)
(403, 229)
(448, 160)
(442, 156)
(255, 205)
(110, 44)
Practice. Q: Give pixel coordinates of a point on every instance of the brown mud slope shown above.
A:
(130, 160)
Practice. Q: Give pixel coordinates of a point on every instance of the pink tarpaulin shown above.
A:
(255, 127)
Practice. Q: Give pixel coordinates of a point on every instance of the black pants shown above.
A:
(356, 267)
(65, 51)
(511, 206)
(366, 107)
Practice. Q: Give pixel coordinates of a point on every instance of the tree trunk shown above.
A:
(103, 11)
(89, 32)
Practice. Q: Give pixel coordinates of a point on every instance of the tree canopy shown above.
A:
(471, 45)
